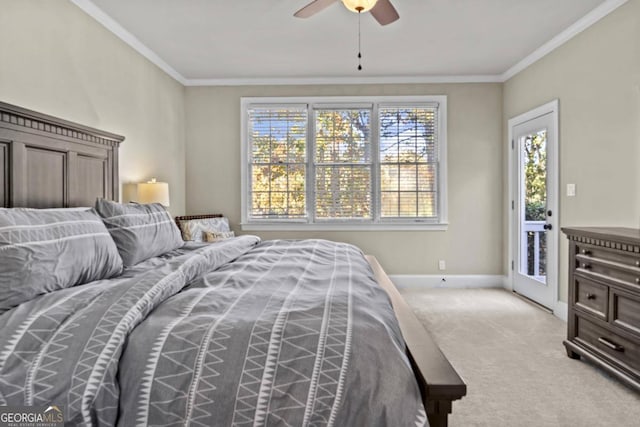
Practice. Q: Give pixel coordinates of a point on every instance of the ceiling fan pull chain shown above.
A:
(359, 44)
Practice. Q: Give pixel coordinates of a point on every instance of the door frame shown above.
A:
(553, 108)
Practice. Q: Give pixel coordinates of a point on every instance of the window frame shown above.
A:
(376, 223)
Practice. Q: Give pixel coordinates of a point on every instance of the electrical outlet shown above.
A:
(571, 190)
(442, 265)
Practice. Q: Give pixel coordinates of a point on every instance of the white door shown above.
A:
(534, 206)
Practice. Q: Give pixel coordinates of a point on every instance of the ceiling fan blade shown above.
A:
(313, 8)
(384, 12)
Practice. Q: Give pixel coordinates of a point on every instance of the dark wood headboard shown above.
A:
(180, 219)
(47, 162)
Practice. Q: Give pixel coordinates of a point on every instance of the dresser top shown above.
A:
(618, 234)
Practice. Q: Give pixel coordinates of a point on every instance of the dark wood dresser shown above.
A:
(604, 299)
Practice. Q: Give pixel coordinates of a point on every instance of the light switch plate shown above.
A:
(571, 190)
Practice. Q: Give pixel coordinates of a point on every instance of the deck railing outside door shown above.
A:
(532, 252)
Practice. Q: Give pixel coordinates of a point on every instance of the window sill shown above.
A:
(284, 226)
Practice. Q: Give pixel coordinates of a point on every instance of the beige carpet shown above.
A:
(511, 356)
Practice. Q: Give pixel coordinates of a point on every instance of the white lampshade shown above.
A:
(153, 192)
(359, 5)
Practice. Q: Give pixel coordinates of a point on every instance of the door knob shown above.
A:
(548, 227)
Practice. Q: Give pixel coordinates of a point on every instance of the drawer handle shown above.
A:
(586, 252)
(638, 280)
(586, 266)
(591, 296)
(638, 263)
(609, 344)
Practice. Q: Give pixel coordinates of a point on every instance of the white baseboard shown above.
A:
(561, 311)
(464, 282)
(446, 281)
(506, 283)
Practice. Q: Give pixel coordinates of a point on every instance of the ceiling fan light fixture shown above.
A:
(358, 6)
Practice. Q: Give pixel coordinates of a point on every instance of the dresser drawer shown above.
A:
(624, 258)
(605, 342)
(591, 297)
(626, 311)
(607, 269)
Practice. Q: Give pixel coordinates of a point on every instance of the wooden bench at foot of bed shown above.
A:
(439, 382)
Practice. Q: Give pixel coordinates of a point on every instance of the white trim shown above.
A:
(338, 101)
(432, 281)
(118, 30)
(552, 107)
(443, 149)
(582, 24)
(347, 226)
(561, 310)
(447, 281)
(244, 155)
(343, 80)
(579, 26)
(506, 281)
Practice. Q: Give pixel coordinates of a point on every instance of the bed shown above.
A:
(197, 333)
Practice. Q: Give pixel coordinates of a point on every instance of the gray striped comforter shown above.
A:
(238, 333)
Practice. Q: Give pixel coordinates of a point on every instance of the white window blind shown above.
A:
(278, 147)
(408, 162)
(344, 162)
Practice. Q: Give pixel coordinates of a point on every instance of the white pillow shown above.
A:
(194, 229)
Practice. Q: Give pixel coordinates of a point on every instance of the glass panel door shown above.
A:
(533, 176)
(534, 211)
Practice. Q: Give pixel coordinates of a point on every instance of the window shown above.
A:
(277, 137)
(344, 163)
(408, 162)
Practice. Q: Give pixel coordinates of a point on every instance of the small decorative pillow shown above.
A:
(140, 231)
(44, 250)
(216, 236)
(194, 229)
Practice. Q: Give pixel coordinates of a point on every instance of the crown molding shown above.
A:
(110, 24)
(582, 24)
(347, 80)
(579, 26)
(25, 120)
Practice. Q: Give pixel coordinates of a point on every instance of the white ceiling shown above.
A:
(260, 39)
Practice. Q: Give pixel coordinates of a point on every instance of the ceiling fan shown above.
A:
(382, 10)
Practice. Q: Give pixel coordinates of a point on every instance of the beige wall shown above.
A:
(57, 60)
(596, 77)
(473, 242)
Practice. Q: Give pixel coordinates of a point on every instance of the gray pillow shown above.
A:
(140, 231)
(45, 250)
